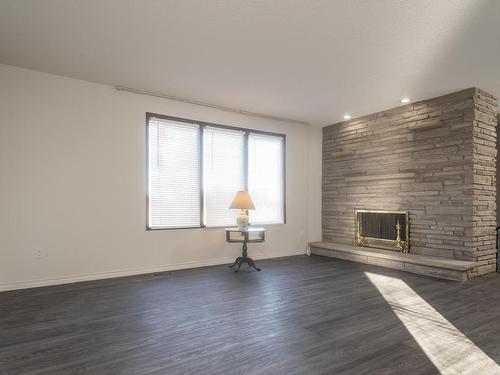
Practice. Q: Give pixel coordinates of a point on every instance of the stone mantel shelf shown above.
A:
(428, 265)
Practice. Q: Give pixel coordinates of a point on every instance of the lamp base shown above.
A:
(243, 220)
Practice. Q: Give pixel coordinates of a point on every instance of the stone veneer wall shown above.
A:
(498, 167)
(435, 158)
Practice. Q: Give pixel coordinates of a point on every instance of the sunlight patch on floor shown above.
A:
(447, 348)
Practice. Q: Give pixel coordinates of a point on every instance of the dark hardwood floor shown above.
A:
(300, 315)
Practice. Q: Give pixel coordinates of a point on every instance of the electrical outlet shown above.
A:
(38, 253)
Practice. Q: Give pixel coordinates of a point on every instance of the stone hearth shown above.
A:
(451, 269)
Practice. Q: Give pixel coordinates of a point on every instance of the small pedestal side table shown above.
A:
(249, 235)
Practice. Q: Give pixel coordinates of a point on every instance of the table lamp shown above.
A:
(243, 202)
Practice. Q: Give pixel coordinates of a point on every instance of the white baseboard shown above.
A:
(136, 271)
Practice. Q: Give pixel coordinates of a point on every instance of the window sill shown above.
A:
(215, 227)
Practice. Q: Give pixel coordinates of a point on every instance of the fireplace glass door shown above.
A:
(382, 229)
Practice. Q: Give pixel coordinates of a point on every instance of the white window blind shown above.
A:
(223, 173)
(266, 178)
(174, 174)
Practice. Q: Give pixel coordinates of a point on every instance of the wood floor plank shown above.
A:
(300, 315)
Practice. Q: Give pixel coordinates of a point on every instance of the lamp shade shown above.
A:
(242, 201)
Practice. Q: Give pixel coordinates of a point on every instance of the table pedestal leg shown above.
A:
(243, 259)
(235, 262)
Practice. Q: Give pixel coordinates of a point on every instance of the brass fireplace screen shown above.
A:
(382, 229)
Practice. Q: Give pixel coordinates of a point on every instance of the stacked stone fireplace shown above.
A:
(434, 159)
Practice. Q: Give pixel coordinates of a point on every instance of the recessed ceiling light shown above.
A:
(347, 117)
(405, 100)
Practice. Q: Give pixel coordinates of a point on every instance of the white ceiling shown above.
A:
(310, 60)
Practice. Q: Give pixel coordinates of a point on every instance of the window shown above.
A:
(265, 178)
(196, 168)
(174, 177)
(222, 173)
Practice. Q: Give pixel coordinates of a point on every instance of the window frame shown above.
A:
(201, 128)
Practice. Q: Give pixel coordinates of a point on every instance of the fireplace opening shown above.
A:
(382, 229)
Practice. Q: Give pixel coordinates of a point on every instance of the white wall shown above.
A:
(72, 182)
(314, 201)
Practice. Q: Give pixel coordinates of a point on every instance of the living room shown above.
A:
(303, 187)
